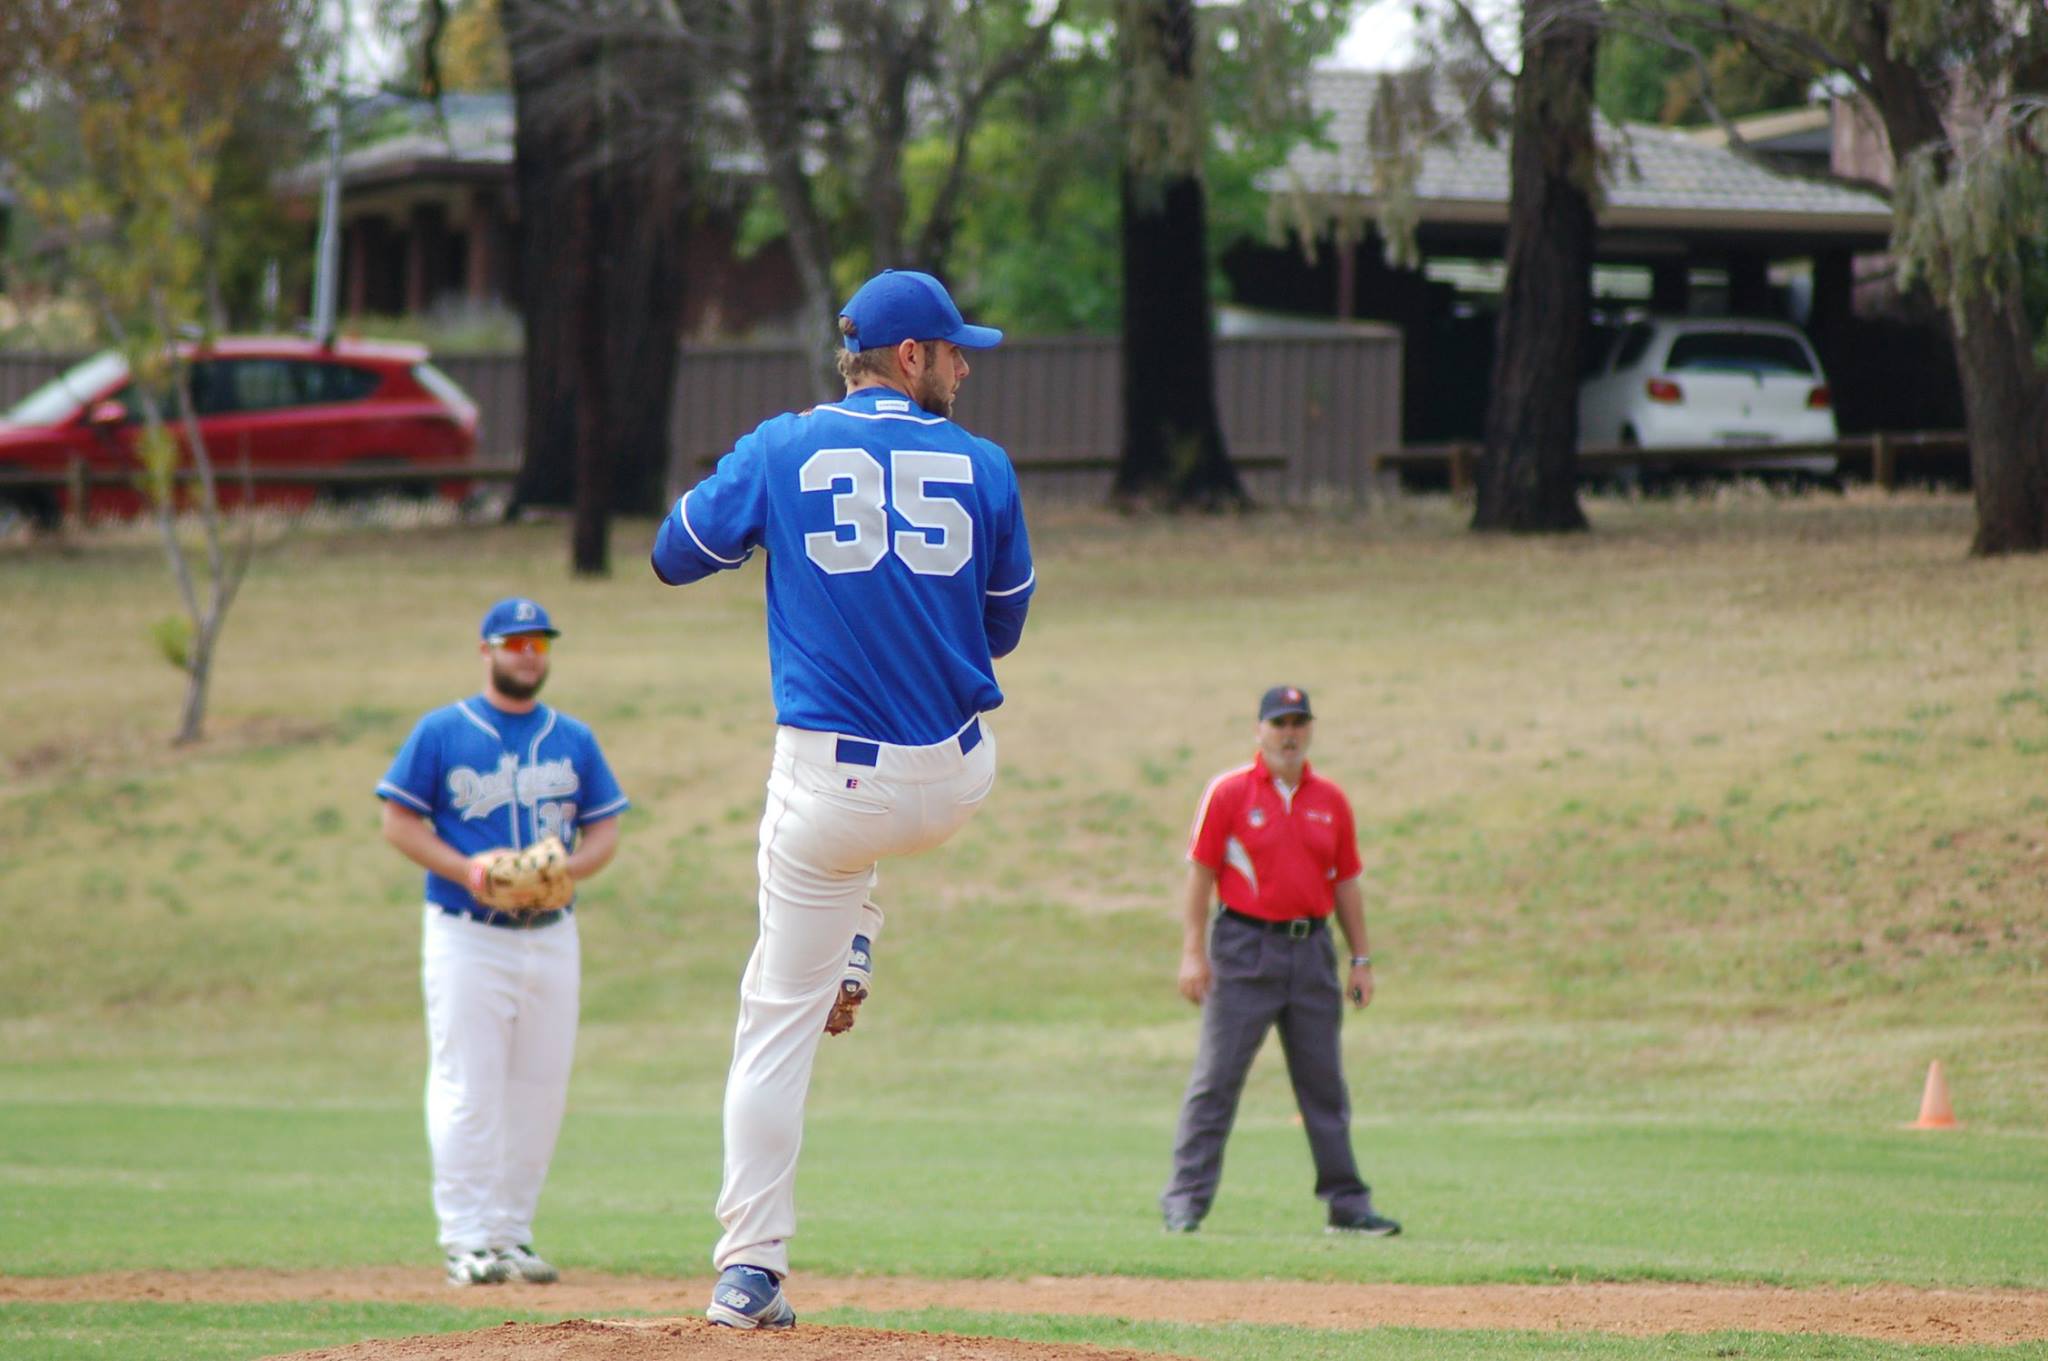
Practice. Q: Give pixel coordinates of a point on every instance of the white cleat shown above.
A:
(522, 1263)
(476, 1268)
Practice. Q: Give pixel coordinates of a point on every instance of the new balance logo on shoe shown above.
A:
(748, 1297)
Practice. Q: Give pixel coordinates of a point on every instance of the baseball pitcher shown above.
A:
(898, 569)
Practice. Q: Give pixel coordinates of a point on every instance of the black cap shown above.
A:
(1284, 699)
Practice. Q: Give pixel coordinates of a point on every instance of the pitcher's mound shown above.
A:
(696, 1340)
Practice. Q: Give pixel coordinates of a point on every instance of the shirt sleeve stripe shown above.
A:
(1015, 589)
(387, 789)
(683, 514)
(598, 814)
(1202, 809)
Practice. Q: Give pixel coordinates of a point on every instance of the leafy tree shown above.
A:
(1173, 450)
(1528, 467)
(149, 91)
(1042, 244)
(1658, 77)
(1961, 88)
(606, 176)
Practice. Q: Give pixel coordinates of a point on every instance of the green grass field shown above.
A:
(1689, 843)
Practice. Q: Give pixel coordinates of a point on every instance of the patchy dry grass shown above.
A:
(1731, 796)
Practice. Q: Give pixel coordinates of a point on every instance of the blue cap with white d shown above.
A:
(902, 304)
(517, 615)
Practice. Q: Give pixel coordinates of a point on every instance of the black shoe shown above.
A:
(1181, 1223)
(1362, 1221)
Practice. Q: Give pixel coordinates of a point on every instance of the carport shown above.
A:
(1686, 226)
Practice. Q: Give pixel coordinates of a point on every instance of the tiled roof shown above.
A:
(1653, 173)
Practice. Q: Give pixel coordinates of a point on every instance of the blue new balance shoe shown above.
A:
(853, 987)
(748, 1297)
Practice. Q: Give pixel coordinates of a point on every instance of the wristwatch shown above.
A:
(1361, 961)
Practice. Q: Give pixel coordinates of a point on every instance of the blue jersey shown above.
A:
(486, 779)
(898, 564)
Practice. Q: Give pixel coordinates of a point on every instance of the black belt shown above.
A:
(510, 921)
(1295, 928)
(852, 751)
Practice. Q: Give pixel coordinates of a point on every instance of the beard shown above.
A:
(932, 396)
(511, 687)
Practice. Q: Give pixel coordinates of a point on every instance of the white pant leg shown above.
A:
(819, 843)
(537, 1076)
(870, 912)
(470, 1006)
(501, 1031)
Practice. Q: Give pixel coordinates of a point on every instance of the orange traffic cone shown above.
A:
(1935, 1112)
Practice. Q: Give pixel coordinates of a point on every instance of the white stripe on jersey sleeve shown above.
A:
(683, 514)
(590, 815)
(386, 787)
(1025, 586)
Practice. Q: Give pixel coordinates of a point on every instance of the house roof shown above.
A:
(1657, 178)
(1808, 130)
(471, 138)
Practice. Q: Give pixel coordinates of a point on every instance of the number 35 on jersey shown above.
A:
(941, 538)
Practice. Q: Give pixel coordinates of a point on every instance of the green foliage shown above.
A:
(1666, 73)
(1041, 247)
(145, 161)
(1651, 80)
(1973, 218)
(172, 634)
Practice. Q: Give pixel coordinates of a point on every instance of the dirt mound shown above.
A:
(1890, 1312)
(696, 1340)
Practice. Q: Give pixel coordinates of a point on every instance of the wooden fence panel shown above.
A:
(1302, 412)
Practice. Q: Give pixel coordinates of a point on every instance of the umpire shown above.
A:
(1275, 843)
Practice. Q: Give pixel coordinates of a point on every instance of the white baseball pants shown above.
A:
(828, 820)
(501, 1034)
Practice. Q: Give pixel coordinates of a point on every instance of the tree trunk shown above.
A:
(545, 151)
(774, 79)
(1173, 450)
(589, 538)
(645, 211)
(2005, 391)
(2005, 405)
(634, 244)
(1528, 472)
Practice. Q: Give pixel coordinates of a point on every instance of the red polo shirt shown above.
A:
(1276, 856)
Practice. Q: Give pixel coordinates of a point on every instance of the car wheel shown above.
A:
(1629, 476)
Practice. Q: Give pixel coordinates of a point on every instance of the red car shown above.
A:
(281, 401)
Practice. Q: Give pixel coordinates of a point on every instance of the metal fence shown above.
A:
(1302, 413)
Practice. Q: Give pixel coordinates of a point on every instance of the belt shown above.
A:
(1295, 928)
(852, 751)
(509, 921)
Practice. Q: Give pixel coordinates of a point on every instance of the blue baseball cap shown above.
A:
(902, 304)
(517, 615)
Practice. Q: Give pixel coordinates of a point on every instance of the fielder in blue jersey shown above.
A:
(499, 770)
(898, 571)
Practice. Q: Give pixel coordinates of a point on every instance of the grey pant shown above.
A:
(1262, 978)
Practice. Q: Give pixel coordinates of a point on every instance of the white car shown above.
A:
(1667, 382)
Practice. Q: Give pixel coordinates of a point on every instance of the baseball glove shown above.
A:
(523, 882)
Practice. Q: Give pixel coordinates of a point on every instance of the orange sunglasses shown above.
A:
(537, 643)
